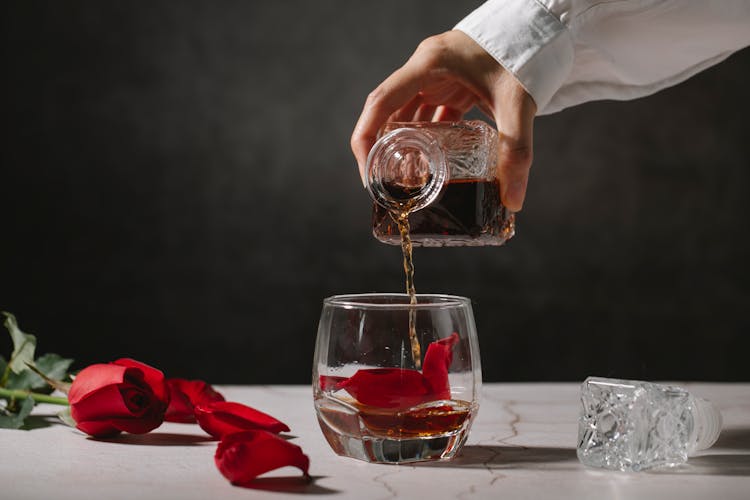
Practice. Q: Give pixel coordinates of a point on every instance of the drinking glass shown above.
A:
(394, 381)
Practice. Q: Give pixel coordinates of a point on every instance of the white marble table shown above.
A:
(522, 445)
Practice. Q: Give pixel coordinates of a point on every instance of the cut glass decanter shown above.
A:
(630, 425)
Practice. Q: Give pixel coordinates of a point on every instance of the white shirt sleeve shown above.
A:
(566, 52)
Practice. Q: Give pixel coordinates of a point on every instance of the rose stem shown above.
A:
(39, 398)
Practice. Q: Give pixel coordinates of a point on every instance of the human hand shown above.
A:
(446, 76)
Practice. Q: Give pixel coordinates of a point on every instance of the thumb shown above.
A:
(514, 116)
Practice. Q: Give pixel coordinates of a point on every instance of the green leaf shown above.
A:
(15, 419)
(53, 366)
(66, 417)
(26, 380)
(3, 365)
(24, 344)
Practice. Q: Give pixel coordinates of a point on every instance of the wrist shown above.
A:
(528, 40)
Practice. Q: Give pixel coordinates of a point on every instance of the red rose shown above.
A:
(122, 396)
(243, 456)
(185, 395)
(222, 418)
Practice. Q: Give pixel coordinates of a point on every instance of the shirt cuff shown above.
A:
(527, 40)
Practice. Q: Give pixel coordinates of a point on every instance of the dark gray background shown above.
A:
(177, 186)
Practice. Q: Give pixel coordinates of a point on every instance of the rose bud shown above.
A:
(122, 396)
(243, 456)
(221, 418)
(185, 395)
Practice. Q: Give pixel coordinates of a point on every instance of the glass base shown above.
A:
(395, 451)
(433, 431)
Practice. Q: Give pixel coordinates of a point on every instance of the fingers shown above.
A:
(514, 116)
(419, 110)
(407, 111)
(447, 114)
(396, 91)
(425, 113)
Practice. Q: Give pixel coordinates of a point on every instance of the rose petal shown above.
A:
(98, 429)
(243, 456)
(152, 376)
(185, 395)
(94, 377)
(388, 387)
(137, 399)
(221, 418)
(331, 383)
(101, 404)
(180, 409)
(92, 414)
(437, 360)
(137, 426)
(398, 387)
